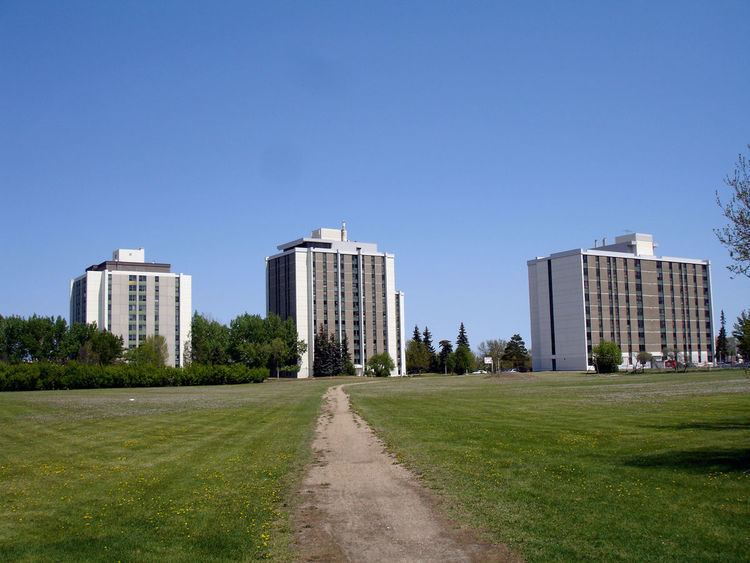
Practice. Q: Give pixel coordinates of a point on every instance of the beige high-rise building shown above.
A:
(623, 293)
(346, 287)
(134, 299)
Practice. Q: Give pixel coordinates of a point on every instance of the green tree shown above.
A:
(446, 349)
(152, 352)
(346, 359)
(381, 365)
(329, 357)
(107, 347)
(42, 338)
(515, 353)
(464, 360)
(247, 339)
(462, 338)
(607, 357)
(209, 341)
(643, 358)
(417, 336)
(417, 357)
(427, 341)
(277, 353)
(75, 339)
(253, 342)
(736, 235)
(722, 349)
(741, 334)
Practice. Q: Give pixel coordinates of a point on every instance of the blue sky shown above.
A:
(465, 137)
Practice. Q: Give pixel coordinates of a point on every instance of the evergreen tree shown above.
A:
(331, 358)
(336, 366)
(516, 352)
(320, 353)
(346, 359)
(446, 349)
(417, 337)
(741, 333)
(462, 338)
(427, 341)
(721, 340)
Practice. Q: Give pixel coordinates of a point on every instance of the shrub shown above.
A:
(38, 376)
(381, 365)
(607, 357)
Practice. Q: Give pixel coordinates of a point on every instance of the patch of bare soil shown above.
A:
(358, 504)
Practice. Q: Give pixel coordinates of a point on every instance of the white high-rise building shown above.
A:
(621, 293)
(346, 287)
(132, 298)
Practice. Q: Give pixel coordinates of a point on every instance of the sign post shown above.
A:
(488, 361)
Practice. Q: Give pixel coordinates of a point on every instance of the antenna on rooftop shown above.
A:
(344, 237)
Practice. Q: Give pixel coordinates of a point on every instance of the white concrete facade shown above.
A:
(372, 306)
(623, 293)
(134, 299)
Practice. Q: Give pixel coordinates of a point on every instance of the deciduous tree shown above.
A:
(417, 357)
(643, 358)
(152, 351)
(464, 360)
(381, 365)
(735, 236)
(493, 349)
(209, 341)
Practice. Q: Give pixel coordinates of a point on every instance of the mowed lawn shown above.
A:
(178, 474)
(570, 467)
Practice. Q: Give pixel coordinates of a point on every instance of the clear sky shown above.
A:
(464, 137)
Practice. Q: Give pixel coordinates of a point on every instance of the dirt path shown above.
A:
(359, 505)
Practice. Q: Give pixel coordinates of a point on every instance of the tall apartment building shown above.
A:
(347, 287)
(134, 299)
(620, 292)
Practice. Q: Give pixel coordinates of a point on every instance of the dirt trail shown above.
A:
(358, 504)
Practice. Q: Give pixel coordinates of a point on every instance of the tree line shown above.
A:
(51, 340)
(250, 340)
(250, 348)
(421, 356)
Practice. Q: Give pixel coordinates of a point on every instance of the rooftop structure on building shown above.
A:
(345, 287)
(619, 292)
(134, 299)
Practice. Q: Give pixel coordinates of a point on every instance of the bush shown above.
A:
(607, 357)
(381, 365)
(39, 376)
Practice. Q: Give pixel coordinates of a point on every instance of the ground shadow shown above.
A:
(704, 460)
(731, 424)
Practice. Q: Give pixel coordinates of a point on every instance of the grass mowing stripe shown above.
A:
(574, 467)
(179, 474)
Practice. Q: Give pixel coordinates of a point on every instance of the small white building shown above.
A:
(132, 298)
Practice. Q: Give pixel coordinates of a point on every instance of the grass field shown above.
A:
(569, 467)
(193, 473)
